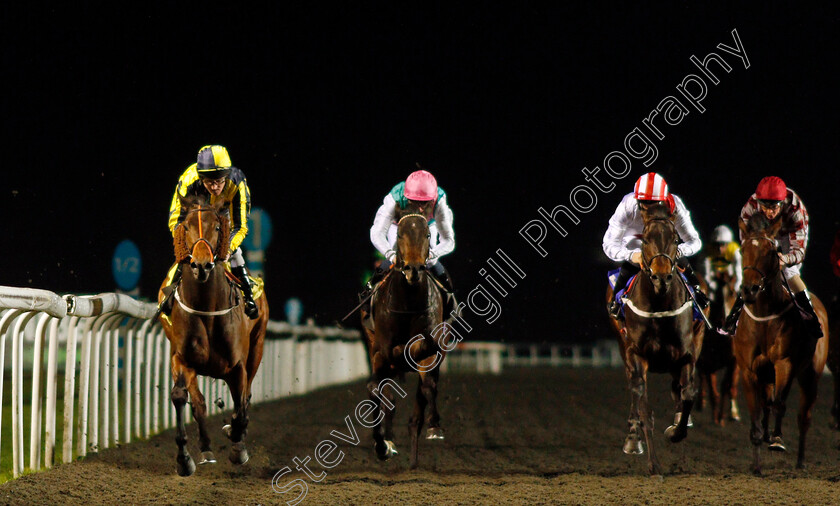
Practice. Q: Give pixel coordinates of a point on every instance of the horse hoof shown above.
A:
(389, 451)
(434, 433)
(777, 445)
(239, 454)
(227, 429)
(674, 435)
(207, 458)
(633, 447)
(186, 465)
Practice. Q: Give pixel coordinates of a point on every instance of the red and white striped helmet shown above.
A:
(651, 186)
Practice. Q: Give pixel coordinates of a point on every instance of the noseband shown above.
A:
(201, 239)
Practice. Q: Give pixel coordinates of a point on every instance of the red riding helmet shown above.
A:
(771, 188)
(651, 186)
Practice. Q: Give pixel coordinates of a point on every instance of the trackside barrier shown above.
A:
(115, 364)
(603, 353)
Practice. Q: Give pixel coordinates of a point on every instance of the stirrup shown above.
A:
(614, 310)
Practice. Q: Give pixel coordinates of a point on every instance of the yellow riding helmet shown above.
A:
(213, 162)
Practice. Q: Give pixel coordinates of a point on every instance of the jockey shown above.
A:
(622, 242)
(421, 190)
(776, 201)
(724, 257)
(213, 175)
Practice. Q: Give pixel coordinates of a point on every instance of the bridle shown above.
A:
(201, 239)
(764, 278)
(672, 260)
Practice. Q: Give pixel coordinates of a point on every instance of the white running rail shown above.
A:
(115, 364)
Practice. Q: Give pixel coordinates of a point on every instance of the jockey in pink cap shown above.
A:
(421, 190)
(777, 202)
(622, 242)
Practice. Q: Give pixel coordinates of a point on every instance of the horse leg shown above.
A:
(415, 423)
(716, 399)
(638, 385)
(185, 463)
(835, 407)
(199, 411)
(808, 381)
(784, 382)
(753, 393)
(729, 393)
(237, 381)
(686, 388)
(633, 441)
(384, 449)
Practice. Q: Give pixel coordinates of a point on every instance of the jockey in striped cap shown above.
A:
(622, 242)
(777, 202)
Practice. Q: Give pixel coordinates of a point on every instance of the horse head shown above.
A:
(202, 238)
(659, 246)
(412, 246)
(759, 255)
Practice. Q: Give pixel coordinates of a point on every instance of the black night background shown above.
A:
(325, 109)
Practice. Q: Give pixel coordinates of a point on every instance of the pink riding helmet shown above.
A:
(421, 185)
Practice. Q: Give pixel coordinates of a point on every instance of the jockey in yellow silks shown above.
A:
(214, 176)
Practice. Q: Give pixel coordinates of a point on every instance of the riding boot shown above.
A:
(691, 277)
(732, 320)
(166, 304)
(245, 284)
(809, 316)
(624, 274)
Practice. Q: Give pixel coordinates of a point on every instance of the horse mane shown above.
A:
(659, 212)
(757, 223)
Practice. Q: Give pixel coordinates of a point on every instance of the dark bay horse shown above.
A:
(717, 355)
(771, 344)
(208, 331)
(659, 335)
(407, 310)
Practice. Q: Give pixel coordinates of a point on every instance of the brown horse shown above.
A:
(717, 355)
(659, 335)
(771, 344)
(208, 331)
(407, 309)
(834, 364)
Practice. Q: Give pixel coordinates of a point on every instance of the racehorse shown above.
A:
(834, 365)
(407, 308)
(208, 331)
(717, 354)
(659, 335)
(771, 344)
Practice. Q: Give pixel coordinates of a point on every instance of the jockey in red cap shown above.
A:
(777, 202)
(622, 241)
